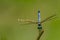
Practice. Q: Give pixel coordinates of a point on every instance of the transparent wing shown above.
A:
(28, 21)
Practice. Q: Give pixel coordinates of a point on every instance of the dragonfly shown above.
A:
(39, 22)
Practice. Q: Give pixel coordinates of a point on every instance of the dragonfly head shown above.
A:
(39, 26)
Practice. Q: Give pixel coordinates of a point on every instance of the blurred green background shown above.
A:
(11, 10)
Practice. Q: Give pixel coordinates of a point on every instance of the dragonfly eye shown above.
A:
(39, 27)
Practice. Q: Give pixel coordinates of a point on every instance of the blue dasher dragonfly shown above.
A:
(39, 22)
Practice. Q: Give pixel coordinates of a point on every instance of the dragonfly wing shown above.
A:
(26, 21)
(29, 21)
(49, 18)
